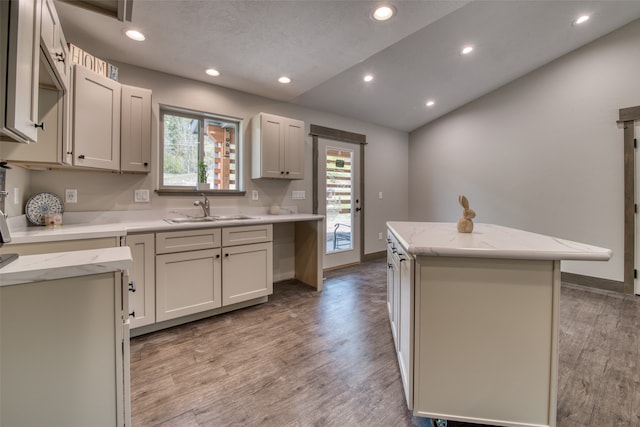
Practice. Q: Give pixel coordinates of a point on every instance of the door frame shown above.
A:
(316, 132)
(627, 118)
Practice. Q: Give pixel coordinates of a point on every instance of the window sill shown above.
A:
(194, 192)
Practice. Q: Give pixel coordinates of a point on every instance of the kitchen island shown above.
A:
(64, 339)
(474, 317)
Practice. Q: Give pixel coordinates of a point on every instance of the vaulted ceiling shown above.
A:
(326, 47)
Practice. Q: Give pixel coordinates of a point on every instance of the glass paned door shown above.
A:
(339, 201)
(339, 191)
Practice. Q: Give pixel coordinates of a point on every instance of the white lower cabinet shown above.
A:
(142, 285)
(187, 283)
(247, 272)
(65, 352)
(405, 319)
(188, 275)
(393, 278)
(400, 299)
(205, 269)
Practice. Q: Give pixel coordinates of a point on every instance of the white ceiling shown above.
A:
(326, 47)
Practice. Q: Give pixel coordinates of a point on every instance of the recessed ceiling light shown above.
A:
(430, 103)
(213, 72)
(368, 78)
(466, 50)
(135, 35)
(581, 20)
(284, 80)
(383, 12)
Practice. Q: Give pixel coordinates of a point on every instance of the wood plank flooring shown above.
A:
(327, 359)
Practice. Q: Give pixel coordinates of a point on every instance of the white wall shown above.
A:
(543, 153)
(387, 151)
(17, 181)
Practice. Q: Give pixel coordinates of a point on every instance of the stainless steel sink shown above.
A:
(190, 220)
(233, 217)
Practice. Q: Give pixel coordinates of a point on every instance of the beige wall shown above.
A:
(543, 153)
(387, 151)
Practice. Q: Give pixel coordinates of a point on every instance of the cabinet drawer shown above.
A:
(247, 234)
(188, 240)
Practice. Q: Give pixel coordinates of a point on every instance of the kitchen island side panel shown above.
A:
(486, 340)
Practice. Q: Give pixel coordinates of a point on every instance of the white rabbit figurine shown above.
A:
(465, 224)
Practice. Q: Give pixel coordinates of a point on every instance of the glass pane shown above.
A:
(221, 154)
(181, 140)
(339, 183)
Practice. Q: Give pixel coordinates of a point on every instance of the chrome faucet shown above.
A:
(204, 206)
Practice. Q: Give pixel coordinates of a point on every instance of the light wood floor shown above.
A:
(327, 359)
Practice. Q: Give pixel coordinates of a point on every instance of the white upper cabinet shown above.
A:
(135, 131)
(21, 68)
(277, 147)
(54, 43)
(111, 123)
(96, 120)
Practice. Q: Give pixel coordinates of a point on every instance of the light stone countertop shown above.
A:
(91, 225)
(489, 241)
(61, 265)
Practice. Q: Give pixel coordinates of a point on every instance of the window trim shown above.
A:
(200, 116)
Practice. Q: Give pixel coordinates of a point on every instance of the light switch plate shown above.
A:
(141, 196)
(254, 195)
(298, 195)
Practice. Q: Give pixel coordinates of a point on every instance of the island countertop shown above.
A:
(61, 265)
(489, 241)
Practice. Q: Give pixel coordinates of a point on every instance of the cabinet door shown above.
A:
(272, 162)
(96, 120)
(54, 42)
(135, 143)
(293, 149)
(187, 283)
(48, 150)
(391, 285)
(395, 313)
(405, 324)
(23, 65)
(142, 300)
(247, 272)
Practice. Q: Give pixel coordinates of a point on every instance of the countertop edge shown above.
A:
(95, 231)
(562, 249)
(61, 265)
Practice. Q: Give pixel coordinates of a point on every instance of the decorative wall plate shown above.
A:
(40, 204)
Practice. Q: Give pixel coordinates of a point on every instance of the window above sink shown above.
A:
(199, 148)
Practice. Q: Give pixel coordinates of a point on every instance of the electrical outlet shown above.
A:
(380, 195)
(141, 196)
(16, 196)
(71, 195)
(379, 236)
(254, 195)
